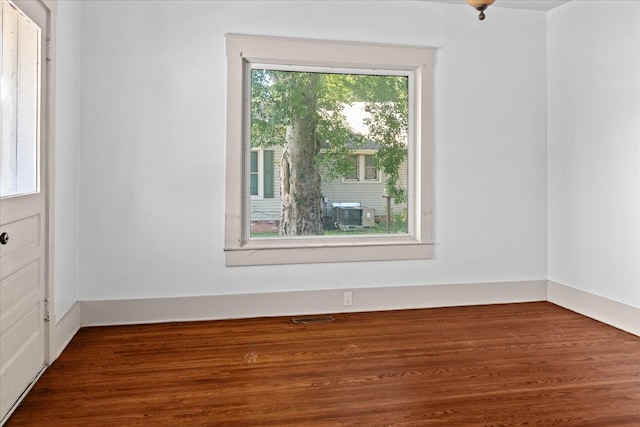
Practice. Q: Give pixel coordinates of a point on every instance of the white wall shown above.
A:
(66, 157)
(594, 136)
(152, 125)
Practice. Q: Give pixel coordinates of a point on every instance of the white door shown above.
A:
(23, 222)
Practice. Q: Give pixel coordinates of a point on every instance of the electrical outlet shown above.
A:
(348, 299)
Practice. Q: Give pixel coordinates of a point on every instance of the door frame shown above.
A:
(49, 74)
(47, 180)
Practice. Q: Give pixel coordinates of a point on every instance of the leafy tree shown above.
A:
(303, 112)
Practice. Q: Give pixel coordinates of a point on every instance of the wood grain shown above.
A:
(531, 364)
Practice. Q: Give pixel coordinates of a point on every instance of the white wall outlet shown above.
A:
(348, 299)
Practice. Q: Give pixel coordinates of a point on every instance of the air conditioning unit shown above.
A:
(352, 216)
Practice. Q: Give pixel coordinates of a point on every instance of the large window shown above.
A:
(334, 114)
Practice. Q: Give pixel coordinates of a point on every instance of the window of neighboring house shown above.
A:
(261, 174)
(370, 168)
(363, 169)
(255, 174)
(296, 73)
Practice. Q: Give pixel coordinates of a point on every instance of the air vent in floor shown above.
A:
(315, 319)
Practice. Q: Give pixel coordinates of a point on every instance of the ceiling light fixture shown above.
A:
(480, 5)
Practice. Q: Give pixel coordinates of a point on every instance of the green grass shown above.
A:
(398, 226)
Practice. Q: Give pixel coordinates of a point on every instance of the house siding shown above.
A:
(368, 194)
(268, 209)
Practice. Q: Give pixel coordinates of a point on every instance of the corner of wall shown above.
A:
(613, 313)
(62, 331)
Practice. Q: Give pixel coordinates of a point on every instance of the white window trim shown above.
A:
(243, 50)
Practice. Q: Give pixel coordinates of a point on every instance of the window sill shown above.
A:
(320, 250)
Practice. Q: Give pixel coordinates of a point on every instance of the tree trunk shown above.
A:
(300, 180)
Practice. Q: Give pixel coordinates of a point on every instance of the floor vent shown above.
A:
(317, 319)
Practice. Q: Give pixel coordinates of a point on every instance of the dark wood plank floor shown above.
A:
(531, 364)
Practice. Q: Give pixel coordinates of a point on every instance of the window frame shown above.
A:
(244, 50)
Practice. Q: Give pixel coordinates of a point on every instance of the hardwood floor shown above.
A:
(532, 364)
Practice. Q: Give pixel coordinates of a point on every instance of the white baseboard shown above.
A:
(153, 310)
(62, 331)
(611, 312)
(217, 307)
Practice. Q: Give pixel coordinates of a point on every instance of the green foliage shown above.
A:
(388, 126)
(267, 119)
(279, 97)
(398, 224)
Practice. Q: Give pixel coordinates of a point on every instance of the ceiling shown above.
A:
(517, 4)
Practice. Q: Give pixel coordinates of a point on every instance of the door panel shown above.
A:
(24, 235)
(21, 342)
(22, 293)
(23, 208)
(18, 288)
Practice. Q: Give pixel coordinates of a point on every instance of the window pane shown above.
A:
(316, 124)
(370, 168)
(268, 167)
(254, 162)
(254, 173)
(20, 101)
(353, 165)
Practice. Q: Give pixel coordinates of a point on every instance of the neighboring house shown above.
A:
(265, 188)
(366, 186)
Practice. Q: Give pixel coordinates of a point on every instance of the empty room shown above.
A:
(320, 213)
